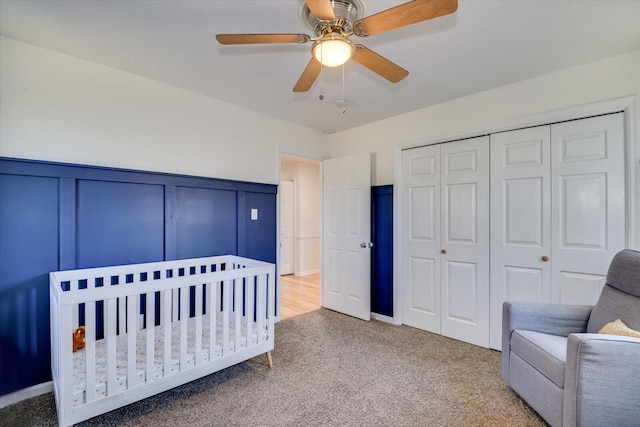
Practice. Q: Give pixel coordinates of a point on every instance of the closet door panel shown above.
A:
(420, 231)
(520, 221)
(464, 210)
(588, 205)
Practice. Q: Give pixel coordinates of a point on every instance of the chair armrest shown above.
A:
(554, 319)
(602, 375)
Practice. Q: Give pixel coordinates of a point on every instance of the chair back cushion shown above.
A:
(620, 297)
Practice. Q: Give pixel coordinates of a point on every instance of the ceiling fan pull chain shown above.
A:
(344, 100)
(321, 75)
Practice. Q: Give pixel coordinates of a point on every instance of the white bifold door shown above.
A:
(445, 236)
(557, 212)
(346, 260)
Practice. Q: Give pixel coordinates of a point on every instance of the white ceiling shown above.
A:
(483, 45)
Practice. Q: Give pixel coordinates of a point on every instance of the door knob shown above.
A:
(545, 258)
(365, 245)
(443, 252)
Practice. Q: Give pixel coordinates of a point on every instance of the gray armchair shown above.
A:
(555, 359)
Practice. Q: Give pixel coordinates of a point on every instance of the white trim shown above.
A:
(632, 178)
(382, 318)
(26, 393)
(306, 273)
(630, 106)
(549, 117)
(307, 237)
(397, 289)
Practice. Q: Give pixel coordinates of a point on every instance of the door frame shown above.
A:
(629, 106)
(294, 220)
(304, 155)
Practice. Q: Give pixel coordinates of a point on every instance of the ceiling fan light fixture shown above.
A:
(333, 50)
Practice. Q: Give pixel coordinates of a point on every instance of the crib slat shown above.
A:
(90, 351)
(66, 359)
(250, 305)
(226, 292)
(132, 332)
(198, 308)
(166, 325)
(184, 318)
(261, 306)
(110, 336)
(238, 297)
(150, 324)
(271, 304)
(212, 292)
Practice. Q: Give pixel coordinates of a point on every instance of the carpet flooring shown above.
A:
(330, 370)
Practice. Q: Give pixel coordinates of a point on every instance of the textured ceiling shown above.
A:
(483, 45)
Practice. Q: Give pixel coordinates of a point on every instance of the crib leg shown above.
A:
(269, 360)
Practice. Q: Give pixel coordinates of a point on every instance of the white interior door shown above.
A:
(464, 216)
(520, 221)
(286, 227)
(346, 273)
(420, 237)
(588, 199)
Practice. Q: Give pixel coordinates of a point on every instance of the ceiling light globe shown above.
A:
(333, 52)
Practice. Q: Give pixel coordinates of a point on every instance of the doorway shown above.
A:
(300, 218)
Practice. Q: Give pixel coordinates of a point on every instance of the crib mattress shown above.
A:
(79, 357)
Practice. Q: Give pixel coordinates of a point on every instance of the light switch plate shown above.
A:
(254, 214)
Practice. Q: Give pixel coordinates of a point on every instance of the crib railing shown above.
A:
(150, 299)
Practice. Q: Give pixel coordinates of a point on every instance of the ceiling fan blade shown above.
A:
(405, 14)
(379, 64)
(321, 9)
(261, 38)
(309, 75)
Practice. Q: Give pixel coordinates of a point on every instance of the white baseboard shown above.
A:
(383, 318)
(25, 393)
(306, 273)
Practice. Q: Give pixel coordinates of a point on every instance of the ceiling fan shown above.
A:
(335, 21)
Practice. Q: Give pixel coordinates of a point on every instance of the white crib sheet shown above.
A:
(79, 365)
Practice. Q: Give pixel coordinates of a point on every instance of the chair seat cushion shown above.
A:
(544, 352)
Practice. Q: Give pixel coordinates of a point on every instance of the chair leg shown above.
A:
(269, 360)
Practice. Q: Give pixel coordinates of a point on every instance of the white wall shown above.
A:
(59, 108)
(306, 175)
(603, 80)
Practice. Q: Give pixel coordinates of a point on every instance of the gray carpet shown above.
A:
(330, 369)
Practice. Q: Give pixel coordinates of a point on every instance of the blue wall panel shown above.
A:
(59, 216)
(206, 222)
(119, 223)
(382, 253)
(260, 238)
(28, 252)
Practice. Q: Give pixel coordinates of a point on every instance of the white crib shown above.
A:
(151, 327)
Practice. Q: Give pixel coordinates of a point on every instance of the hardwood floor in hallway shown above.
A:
(299, 294)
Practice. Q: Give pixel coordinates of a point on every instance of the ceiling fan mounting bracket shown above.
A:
(346, 13)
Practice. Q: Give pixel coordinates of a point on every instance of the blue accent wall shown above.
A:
(202, 223)
(57, 216)
(382, 251)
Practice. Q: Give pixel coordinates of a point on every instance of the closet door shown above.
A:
(445, 237)
(520, 221)
(464, 261)
(588, 199)
(420, 237)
